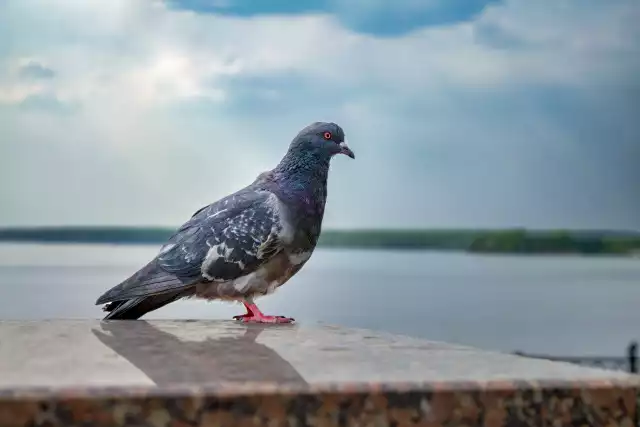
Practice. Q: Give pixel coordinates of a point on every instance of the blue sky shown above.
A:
(474, 113)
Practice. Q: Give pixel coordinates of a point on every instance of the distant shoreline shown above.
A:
(497, 241)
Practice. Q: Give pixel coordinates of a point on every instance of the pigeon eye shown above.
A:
(327, 135)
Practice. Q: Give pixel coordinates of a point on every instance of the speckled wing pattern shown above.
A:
(223, 241)
(227, 240)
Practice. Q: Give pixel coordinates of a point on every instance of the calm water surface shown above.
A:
(561, 305)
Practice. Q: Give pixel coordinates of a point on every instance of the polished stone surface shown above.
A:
(222, 373)
(87, 353)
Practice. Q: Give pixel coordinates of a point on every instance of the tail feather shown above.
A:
(149, 280)
(135, 308)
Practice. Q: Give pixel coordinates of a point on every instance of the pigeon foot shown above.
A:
(254, 315)
(266, 319)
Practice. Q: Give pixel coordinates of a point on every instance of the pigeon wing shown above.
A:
(239, 245)
(184, 248)
(222, 241)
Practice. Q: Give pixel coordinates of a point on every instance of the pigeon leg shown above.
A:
(249, 313)
(254, 315)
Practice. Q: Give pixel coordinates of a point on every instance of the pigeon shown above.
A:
(245, 245)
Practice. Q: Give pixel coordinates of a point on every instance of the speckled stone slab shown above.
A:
(223, 373)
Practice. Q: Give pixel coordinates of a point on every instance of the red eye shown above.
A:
(327, 135)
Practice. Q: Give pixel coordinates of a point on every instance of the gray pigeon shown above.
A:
(246, 244)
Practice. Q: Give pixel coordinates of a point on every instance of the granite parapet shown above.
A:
(224, 373)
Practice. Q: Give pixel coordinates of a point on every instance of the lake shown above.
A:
(558, 305)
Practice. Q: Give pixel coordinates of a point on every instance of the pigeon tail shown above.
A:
(149, 280)
(135, 308)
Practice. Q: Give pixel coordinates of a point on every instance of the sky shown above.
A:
(462, 113)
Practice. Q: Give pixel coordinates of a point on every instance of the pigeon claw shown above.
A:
(241, 316)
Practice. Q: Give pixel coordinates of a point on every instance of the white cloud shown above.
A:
(144, 51)
(128, 64)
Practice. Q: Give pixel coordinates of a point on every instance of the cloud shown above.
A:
(35, 70)
(48, 103)
(520, 114)
(377, 17)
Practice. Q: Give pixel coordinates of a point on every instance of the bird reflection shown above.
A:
(168, 360)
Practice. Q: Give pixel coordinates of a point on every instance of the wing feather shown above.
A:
(149, 280)
(223, 241)
(244, 242)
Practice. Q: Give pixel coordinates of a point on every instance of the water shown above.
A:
(557, 305)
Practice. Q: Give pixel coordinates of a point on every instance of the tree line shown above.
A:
(518, 241)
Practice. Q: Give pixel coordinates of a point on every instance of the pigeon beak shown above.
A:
(344, 149)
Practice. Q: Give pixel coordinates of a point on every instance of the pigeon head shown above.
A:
(322, 140)
(306, 164)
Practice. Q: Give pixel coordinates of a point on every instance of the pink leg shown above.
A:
(254, 315)
(242, 316)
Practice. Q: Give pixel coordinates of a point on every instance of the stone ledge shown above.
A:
(179, 373)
